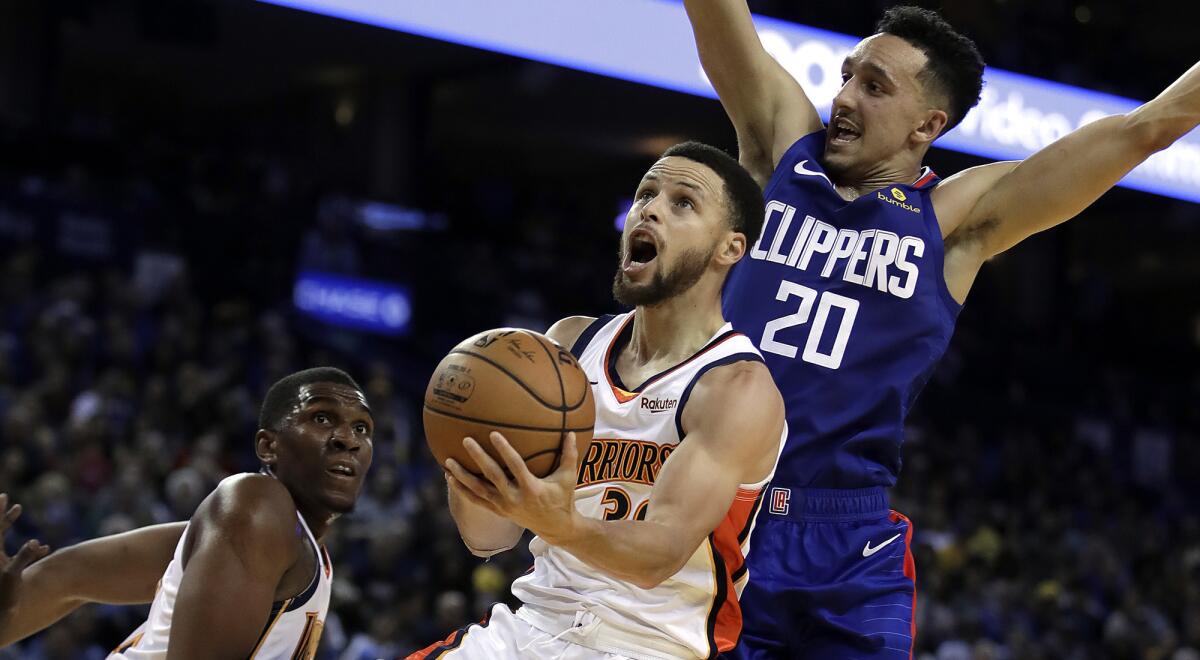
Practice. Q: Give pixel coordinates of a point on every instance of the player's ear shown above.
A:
(932, 126)
(732, 249)
(264, 446)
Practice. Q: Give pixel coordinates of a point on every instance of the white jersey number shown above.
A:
(807, 296)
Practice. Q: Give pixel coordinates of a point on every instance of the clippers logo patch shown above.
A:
(780, 500)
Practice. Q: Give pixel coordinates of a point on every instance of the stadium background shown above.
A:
(167, 170)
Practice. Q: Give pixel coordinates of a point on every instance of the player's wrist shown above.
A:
(564, 532)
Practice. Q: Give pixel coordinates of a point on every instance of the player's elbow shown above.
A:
(492, 544)
(1154, 127)
(485, 552)
(652, 577)
(661, 569)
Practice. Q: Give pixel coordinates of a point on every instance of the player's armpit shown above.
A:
(245, 541)
(122, 569)
(768, 108)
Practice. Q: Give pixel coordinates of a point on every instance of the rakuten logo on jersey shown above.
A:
(659, 405)
(871, 258)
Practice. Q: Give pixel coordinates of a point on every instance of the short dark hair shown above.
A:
(955, 67)
(281, 397)
(745, 197)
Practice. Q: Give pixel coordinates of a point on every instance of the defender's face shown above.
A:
(881, 103)
(325, 448)
(679, 215)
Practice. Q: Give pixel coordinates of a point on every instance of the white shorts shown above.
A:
(505, 635)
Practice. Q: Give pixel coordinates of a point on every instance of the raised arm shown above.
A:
(242, 543)
(486, 533)
(691, 495)
(1056, 183)
(122, 569)
(768, 108)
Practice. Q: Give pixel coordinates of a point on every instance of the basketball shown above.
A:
(517, 382)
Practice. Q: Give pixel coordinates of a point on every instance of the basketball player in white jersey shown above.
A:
(637, 556)
(247, 575)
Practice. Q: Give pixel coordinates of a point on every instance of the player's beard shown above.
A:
(688, 270)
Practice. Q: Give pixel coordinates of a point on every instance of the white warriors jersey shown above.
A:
(292, 632)
(694, 613)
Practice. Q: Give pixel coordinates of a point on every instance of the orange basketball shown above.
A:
(517, 382)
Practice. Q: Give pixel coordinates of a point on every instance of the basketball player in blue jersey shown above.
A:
(853, 288)
(248, 565)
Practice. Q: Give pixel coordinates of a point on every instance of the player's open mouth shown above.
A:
(641, 251)
(342, 469)
(842, 131)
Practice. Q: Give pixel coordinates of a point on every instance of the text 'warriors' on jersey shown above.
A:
(695, 612)
(848, 302)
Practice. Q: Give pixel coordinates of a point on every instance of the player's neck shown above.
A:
(318, 522)
(674, 330)
(899, 171)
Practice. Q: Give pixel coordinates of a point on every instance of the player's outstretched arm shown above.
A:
(122, 569)
(1056, 183)
(734, 422)
(243, 540)
(768, 108)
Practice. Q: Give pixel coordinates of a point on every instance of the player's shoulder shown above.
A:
(749, 372)
(735, 400)
(743, 385)
(251, 504)
(566, 331)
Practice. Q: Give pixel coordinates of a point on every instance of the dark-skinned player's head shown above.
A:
(902, 88)
(315, 436)
(693, 214)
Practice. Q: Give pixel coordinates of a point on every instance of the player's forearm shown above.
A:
(45, 598)
(29, 620)
(726, 40)
(643, 552)
(122, 569)
(484, 533)
(1171, 114)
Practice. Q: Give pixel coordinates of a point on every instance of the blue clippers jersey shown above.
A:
(848, 303)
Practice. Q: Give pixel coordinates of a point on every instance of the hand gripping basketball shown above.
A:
(546, 505)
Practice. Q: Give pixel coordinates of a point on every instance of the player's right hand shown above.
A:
(11, 568)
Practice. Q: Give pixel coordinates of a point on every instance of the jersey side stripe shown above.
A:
(450, 643)
(267, 631)
(725, 543)
(720, 596)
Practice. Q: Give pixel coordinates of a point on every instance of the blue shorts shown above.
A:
(831, 577)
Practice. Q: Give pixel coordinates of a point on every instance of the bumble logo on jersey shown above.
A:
(898, 201)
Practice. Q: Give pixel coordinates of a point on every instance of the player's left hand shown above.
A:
(545, 506)
(11, 568)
